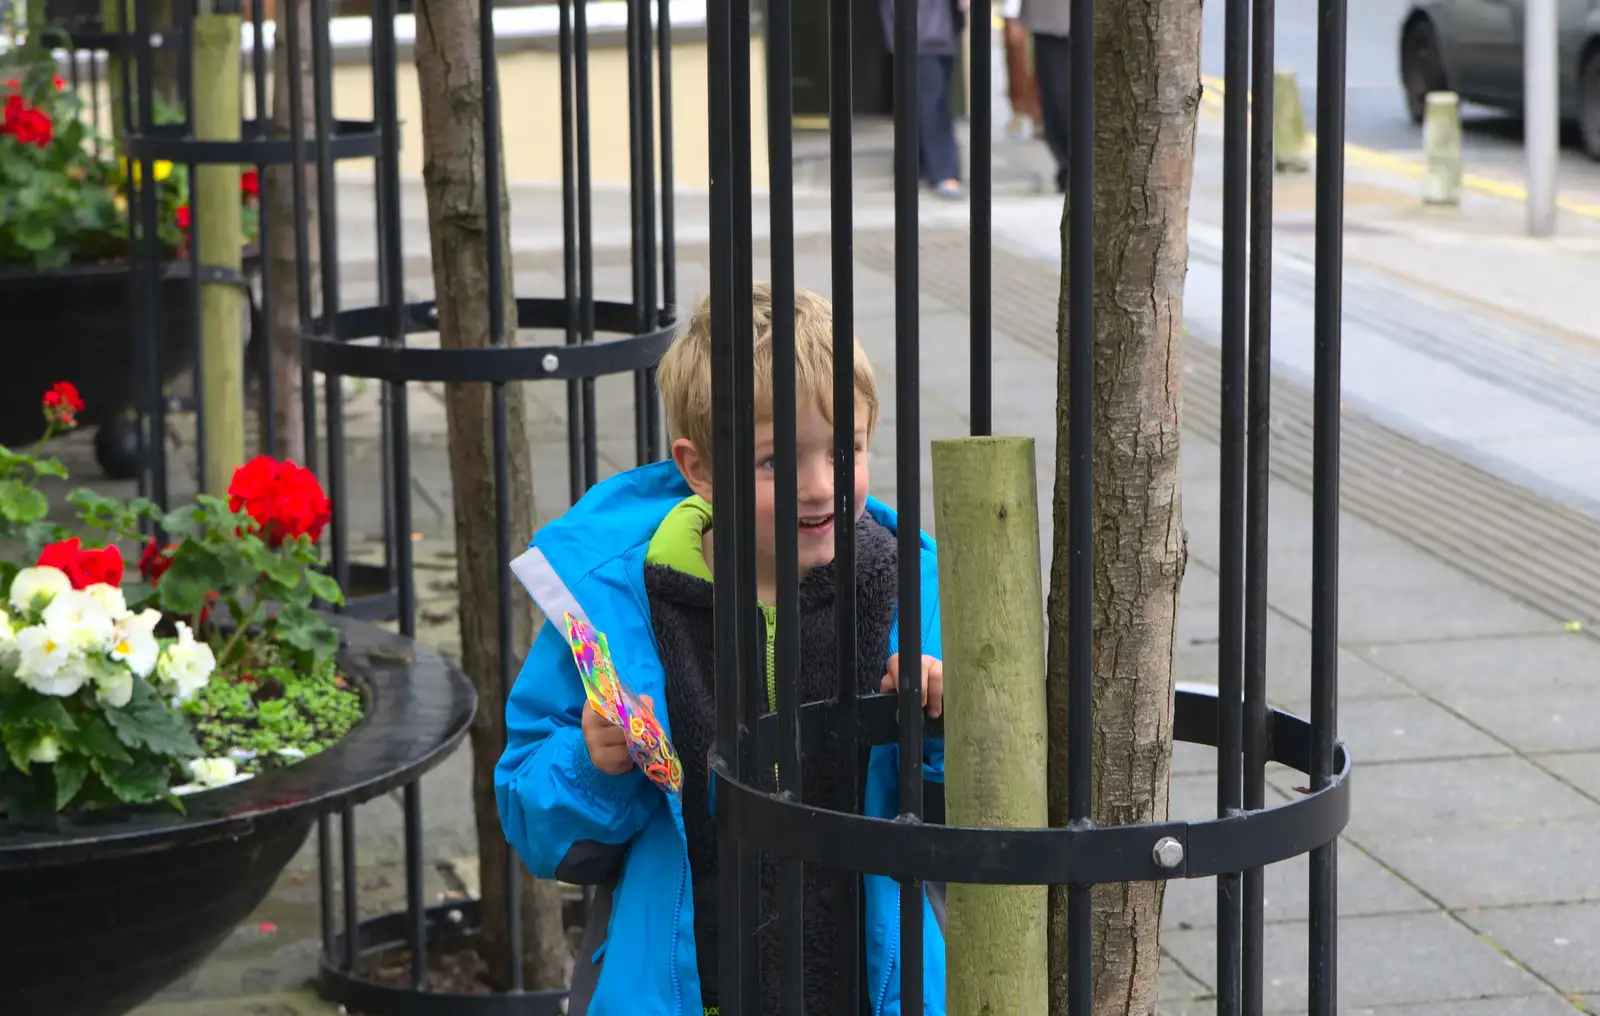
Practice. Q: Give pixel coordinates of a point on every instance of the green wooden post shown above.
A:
(986, 512)
(219, 231)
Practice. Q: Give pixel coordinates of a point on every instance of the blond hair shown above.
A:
(684, 376)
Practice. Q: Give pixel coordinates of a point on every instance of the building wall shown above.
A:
(530, 81)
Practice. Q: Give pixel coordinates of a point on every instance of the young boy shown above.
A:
(634, 556)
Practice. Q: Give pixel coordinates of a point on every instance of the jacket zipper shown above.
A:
(894, 960)
(770, 616)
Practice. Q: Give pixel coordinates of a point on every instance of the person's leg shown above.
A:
(941, 160)
(1051, 56)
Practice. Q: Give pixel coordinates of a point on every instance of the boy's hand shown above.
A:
(608, 748)
(932, 683)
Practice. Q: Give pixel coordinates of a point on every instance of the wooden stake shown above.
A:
(219, 231)
(986, 512)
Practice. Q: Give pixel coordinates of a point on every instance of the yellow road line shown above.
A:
(1411, 169)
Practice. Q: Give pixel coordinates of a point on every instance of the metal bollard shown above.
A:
(1441, 149)
(1288, 125)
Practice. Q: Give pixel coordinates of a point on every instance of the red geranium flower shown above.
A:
(83, 567)
(62, 404)
(284, 499)
(57, 83)
(26, 123)
(155, 561)
(181, 217)
(250, 183)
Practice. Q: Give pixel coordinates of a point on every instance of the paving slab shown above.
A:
(1386, 960)
(1475, 794)
(1366, 888)
(1546, 1004)
(1556, 942)
(1581, 769)
(1503, 866)
(1399, 729)
(1518, 666)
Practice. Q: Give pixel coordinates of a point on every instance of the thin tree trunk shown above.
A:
(283, 323)
(450, 79)
(1147, 91)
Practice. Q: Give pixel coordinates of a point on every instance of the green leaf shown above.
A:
(35, 236)
(276, 566)
(69, 771)
(195, 572)
(324, 587)
(149, 722)
(31, 712)
(95, 507)
(50, 467)
(302, 629)
(137, 782)
(22, 504)
(17, 747)
(95, 738)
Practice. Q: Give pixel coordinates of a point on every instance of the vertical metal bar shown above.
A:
(139, 266)
(1230, 637)
(669, 228)
(1541, 104)
(1327, 311)
(183, 27)
(500, 336)
(302, 240)
(732, 416)
(352, 888)
(780, 169)
(569, 257)
(1080, 492)
(267, 389)
(981, 90)
(845, 508)
(1257, 481)
(328, 243)
(649, 408)
(391, 258)
(638, 11)
(751, 667)
(155, 423)
(908, 478)
(325, 902)
(591, 448)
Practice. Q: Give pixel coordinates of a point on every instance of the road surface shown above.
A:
(1375, 110)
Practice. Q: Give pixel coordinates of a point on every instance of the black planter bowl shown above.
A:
(100, 912)
(76, 324)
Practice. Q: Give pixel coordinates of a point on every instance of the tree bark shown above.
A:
(450, 80)
(283, 320)
(1147, 92)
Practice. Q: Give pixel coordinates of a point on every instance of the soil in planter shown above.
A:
(272, 716)
(453, 969)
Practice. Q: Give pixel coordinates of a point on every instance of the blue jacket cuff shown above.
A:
(602, 786)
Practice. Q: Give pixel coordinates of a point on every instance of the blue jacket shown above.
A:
(562, 815)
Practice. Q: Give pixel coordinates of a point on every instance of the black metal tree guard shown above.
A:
(370, 342)
(1234, 718)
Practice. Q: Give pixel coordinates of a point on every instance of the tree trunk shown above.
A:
(1147, 91)
(283, 323)
(450, 80)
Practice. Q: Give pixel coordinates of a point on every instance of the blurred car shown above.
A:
(1474, 48)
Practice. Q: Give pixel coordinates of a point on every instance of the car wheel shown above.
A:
(1421, 71)
(1589, 105)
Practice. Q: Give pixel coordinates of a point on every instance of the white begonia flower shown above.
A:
(8, 641)
(114, 688)
(110, 599)
(78, 620)
(212, 772)
(135, 642)
(186, 665)
(36, 587)
(44, 664)
(46, 750)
